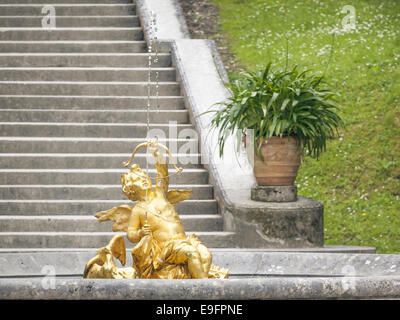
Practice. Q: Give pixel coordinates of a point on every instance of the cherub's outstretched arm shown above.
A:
(162, 168)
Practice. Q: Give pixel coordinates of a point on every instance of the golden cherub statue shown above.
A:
(163, 250)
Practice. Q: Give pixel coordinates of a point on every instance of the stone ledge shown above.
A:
(240, 262)
(203, 289)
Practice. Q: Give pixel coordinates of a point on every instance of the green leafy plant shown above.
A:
(281, 103)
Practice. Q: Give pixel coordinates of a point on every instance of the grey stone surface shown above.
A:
(169, 18)
(255, 274)
(130, 60)
(105, 130)
(86, 74)
(69, 1)
(59, 33)
(77, 144)
(98, 116)
(88, 223)
(88, 88)
(296, 224)
(90, 102)
(202, 202)
(66, 46)
(75, 239)
(78, 192)
(113, 9)
(234, 289)
(80, 21)
(86, 176)
(81, 161)
(274, 193)
(241, 262)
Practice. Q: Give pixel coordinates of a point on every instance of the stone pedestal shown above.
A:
(274, 193)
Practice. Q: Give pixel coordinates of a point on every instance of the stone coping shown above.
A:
(170, 21)
(204, 289)
(255, 274)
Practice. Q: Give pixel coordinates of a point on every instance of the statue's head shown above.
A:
(135, 183)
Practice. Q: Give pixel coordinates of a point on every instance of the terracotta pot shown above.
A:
(282, 159)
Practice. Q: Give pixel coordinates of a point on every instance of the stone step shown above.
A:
(85, 192)
(58, 33)
(86, 145)
(90, 102)
(89, 88)
(74, 9)
(87, 74)
(86, 160)
(64, 1)
(130, 60)
(70, 21)
(199, 222)
(89, 176)
(39, 207)
(212, 239)
(75, 47)
(102, 116)
(111, 130)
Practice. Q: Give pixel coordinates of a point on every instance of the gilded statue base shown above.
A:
(163, 251)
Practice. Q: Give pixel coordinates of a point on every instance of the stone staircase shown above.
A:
(72, 108)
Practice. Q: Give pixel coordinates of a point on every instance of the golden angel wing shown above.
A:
(95, 260)
(117, 248)
(178, 195)
(120, 215)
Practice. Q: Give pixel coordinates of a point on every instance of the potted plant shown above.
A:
(291, 114)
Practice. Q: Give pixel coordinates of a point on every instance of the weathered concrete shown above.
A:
(130, 60)
(85, 160)
(86, 74)
(86, 176)
(169, 19)
(90, 102)
(113, 9)
(88, 223)
(59, 33)
(98, 116)
(77, 192)
(255, 274)
(77, 144)
(74, 239)
(69, 1)
(70, 21)
(296, 224)
(22, 206)
(274, 193)
(199, 289)
(88, 88)
(106, 130)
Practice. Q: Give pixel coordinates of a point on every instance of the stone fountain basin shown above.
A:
(255, 274)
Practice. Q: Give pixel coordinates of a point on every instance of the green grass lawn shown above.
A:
(358, 178)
